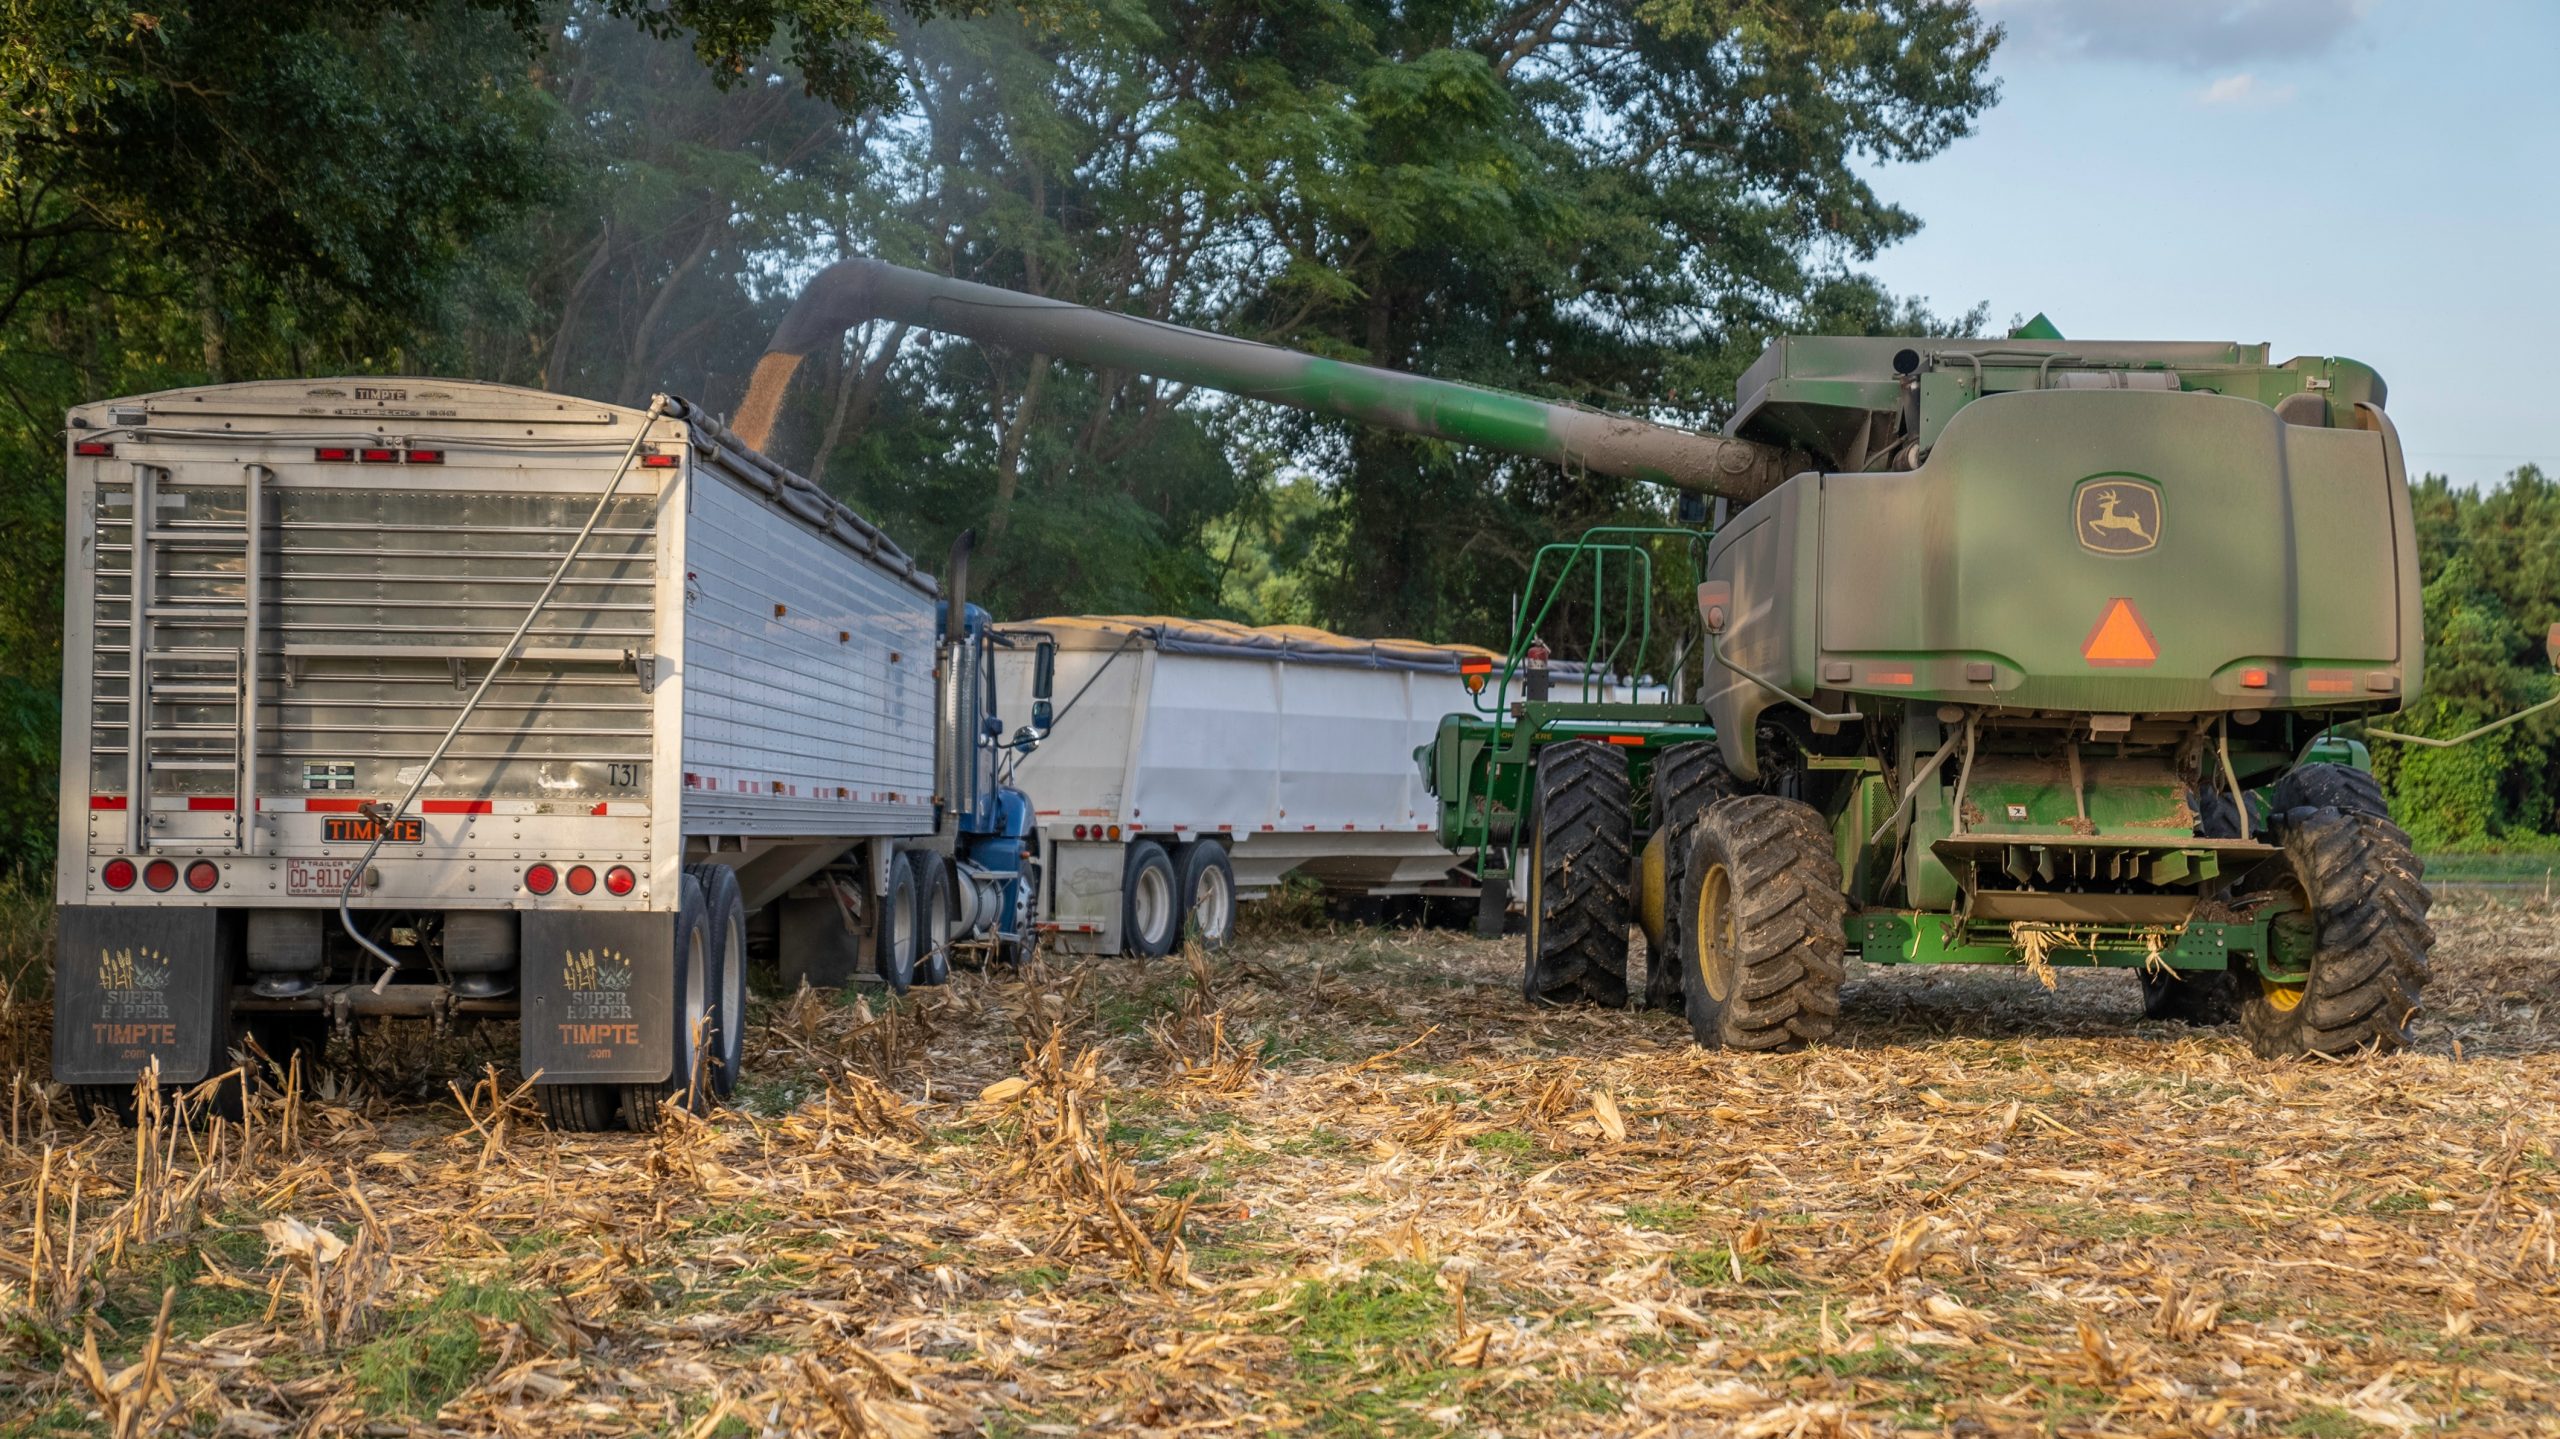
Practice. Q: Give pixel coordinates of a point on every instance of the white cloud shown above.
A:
(2188, 34)
(2244, 89)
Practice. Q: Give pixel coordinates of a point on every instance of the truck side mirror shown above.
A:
(1044, 675)
(1040, 717)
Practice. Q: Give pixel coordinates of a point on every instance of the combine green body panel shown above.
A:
(2023, 644)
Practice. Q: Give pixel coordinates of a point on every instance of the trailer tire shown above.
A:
(933, 917)
(577, 1108)
(728, 980)
(1150, 912)
(1580, 861)
(694, 961)
(2341, 787)
(1209, 892)
(1687, 780)
(895, 936)
(2370, 937)
(1762, 943)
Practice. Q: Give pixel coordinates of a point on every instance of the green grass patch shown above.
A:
(425, 1352)
(2326, 1422)
(1366, 1352)
(1670, 1218)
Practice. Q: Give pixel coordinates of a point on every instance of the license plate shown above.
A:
(317, 876)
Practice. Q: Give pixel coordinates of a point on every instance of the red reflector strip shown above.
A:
(426, 457)
(457, 806)
(333, 806)
(1631, 739)
(379, 457)
(657, 462)
(2329, 684)
(94, 449)
(334, 455)
(1475, 666)
(106, 801)
(210, 802)
(1879, 676)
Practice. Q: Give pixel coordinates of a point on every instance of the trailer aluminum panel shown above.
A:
(279, 595)
(1291, 747)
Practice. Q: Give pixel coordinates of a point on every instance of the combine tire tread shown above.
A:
(1583, 847)
(1687, 780)
(2369, 966)
(2329, 786)
(1785, 956)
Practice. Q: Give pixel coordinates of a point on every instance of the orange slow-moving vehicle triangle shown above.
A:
(2121, 637)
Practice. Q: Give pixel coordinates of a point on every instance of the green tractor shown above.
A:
(2017, 651)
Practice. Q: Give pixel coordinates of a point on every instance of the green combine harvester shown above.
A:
(2020, 651)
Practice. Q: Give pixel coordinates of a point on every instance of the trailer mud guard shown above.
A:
(599, 996)
(135, 984)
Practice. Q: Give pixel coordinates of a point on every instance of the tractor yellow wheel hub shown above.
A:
(1713, 926)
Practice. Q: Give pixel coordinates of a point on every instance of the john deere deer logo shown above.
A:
(2118, 514)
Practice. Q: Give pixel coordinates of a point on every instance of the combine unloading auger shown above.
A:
(855, 292)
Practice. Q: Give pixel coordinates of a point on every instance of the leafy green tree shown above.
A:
(2490, 562)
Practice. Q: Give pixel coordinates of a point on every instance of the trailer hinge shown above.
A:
(644, 667)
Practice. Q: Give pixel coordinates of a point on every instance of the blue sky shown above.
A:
(2373, 178)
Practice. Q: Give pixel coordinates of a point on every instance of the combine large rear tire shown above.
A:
(1687, 780)
(2368, 911)
(1579, 866)
(1761, 938)
(2343, 788)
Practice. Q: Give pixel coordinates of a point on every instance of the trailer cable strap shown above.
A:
(385, 820)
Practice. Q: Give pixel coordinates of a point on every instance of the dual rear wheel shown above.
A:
(709, 1033)
(1167, 895)
(1753, 951)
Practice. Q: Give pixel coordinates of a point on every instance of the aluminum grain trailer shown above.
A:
(1195, 763)
(459, 702)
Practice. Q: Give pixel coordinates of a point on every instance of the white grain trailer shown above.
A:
(1194, 763)
(280, 597)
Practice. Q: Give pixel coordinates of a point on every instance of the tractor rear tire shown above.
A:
(1687, 780)
(1580, 867)
(1761, 938)
(2369, 961)
(2343, 788)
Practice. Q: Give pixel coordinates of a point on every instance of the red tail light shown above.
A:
(542, 879)
(379, 457)
(119, 874)
(619, 880)
(202, 876)
(426, 457)
(159, 875)
(93, 449)
(582, 880)
(657, 462)
(334, 455)
(1079, 831)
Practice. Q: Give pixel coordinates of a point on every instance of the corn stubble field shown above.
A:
(1335, 1182)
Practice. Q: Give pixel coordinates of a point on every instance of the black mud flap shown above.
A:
(135, 984)
(599, 997)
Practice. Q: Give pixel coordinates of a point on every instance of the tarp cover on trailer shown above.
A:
(1298, 643)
